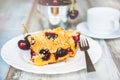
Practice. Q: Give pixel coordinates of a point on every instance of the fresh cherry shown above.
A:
(22, 44)
(26, 39)
(73, 14)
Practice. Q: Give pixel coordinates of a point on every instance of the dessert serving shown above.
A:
(50, 45)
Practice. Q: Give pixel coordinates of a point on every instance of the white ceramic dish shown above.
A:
(82, 27)
(19, 59)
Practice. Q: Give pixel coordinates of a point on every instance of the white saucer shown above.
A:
(82, 27)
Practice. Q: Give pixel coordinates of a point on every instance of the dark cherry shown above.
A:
(73, 14)
(46, 54)
(22, 44)
(51, 35)
(75, 38)
(44, 51)
(26, 39)
(61, 52)
(32, 40)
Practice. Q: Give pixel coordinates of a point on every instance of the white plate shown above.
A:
(20, 59)
(82, 27)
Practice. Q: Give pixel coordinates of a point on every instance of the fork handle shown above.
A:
(89, 64)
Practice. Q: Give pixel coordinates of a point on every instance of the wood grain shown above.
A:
(105, 68)
(115, 51)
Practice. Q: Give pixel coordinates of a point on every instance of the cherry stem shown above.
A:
(24, 30)
(73, 5)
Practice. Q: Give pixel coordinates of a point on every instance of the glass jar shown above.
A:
(52, 14)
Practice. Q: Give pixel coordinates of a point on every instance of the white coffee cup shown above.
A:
(103, 20)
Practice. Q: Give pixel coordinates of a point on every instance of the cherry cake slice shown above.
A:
(52, 45)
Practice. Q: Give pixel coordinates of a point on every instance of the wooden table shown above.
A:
(13, 14)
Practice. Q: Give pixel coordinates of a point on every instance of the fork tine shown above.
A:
(87, 43)
(83, 41)
(80, 42)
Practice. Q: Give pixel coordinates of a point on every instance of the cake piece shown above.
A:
(53, 45)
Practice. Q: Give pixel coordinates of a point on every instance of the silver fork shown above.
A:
(84, 46)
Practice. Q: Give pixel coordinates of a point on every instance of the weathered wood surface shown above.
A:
(115, 50)
(108, 66)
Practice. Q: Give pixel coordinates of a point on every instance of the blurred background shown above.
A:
(13, 13)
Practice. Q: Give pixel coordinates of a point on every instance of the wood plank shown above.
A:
(114, 47)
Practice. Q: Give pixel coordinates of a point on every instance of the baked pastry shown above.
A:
(52, 45)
